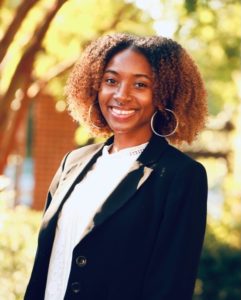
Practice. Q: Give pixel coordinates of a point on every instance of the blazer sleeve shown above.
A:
(173, 266)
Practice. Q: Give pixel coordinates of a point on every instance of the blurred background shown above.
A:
(39, 43)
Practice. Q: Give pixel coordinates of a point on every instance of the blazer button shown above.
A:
(75, 287)
(81, 261)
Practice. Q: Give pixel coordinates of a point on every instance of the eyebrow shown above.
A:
(135, 75)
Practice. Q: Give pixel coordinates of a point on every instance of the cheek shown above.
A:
(148, 102)
(103, 95)
(102, 102)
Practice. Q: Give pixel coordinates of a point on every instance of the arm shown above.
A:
(173, 266)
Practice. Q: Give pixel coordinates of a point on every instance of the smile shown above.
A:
(122, 112)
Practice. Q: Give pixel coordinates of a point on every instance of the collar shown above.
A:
(152, 152)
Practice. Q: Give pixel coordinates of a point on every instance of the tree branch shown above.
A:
(13, 27)
(21, 80)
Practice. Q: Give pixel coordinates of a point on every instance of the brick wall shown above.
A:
(53, 137)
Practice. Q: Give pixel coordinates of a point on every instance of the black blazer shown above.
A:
(145, 243)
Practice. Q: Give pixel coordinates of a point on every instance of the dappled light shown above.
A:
(38, 49)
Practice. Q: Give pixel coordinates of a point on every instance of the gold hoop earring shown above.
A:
(166, 123)
(100, 119)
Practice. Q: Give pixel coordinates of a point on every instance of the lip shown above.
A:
(122, 113)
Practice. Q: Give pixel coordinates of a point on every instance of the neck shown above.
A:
(122, 142)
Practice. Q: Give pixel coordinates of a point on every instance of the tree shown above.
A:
(10, 116)
(41, 51)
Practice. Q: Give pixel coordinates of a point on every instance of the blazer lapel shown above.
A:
(73, 174)
(139, 173)
(124, 191)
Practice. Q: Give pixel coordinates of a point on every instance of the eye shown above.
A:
(140, 85)
(110, 81)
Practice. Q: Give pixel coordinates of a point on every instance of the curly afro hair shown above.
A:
(177, 83)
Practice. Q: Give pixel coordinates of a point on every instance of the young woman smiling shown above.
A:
(126, 98)
(126, 219)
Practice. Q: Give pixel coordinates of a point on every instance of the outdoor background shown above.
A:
(39, 43)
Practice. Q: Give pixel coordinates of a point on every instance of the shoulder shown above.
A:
(77, 155)
(181, 173)
(177, 162)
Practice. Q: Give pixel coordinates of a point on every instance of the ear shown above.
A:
(159, 106)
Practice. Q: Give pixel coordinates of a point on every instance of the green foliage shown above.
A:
(211, 32)
(75, 25)
(18, 240)
(219, 273)
(191, 5)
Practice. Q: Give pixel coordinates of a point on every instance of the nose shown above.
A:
(122, 94)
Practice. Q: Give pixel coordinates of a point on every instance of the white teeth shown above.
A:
(122, 112)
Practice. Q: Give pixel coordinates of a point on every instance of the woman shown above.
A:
(126, 219)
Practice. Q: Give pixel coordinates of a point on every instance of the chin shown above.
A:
(120, 130)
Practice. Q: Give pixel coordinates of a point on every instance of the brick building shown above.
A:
(53, 137)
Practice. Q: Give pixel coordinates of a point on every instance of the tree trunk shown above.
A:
(20, 82)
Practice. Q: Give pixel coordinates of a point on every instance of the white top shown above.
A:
(78, 212)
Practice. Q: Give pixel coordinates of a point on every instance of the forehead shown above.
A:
(129, 60)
